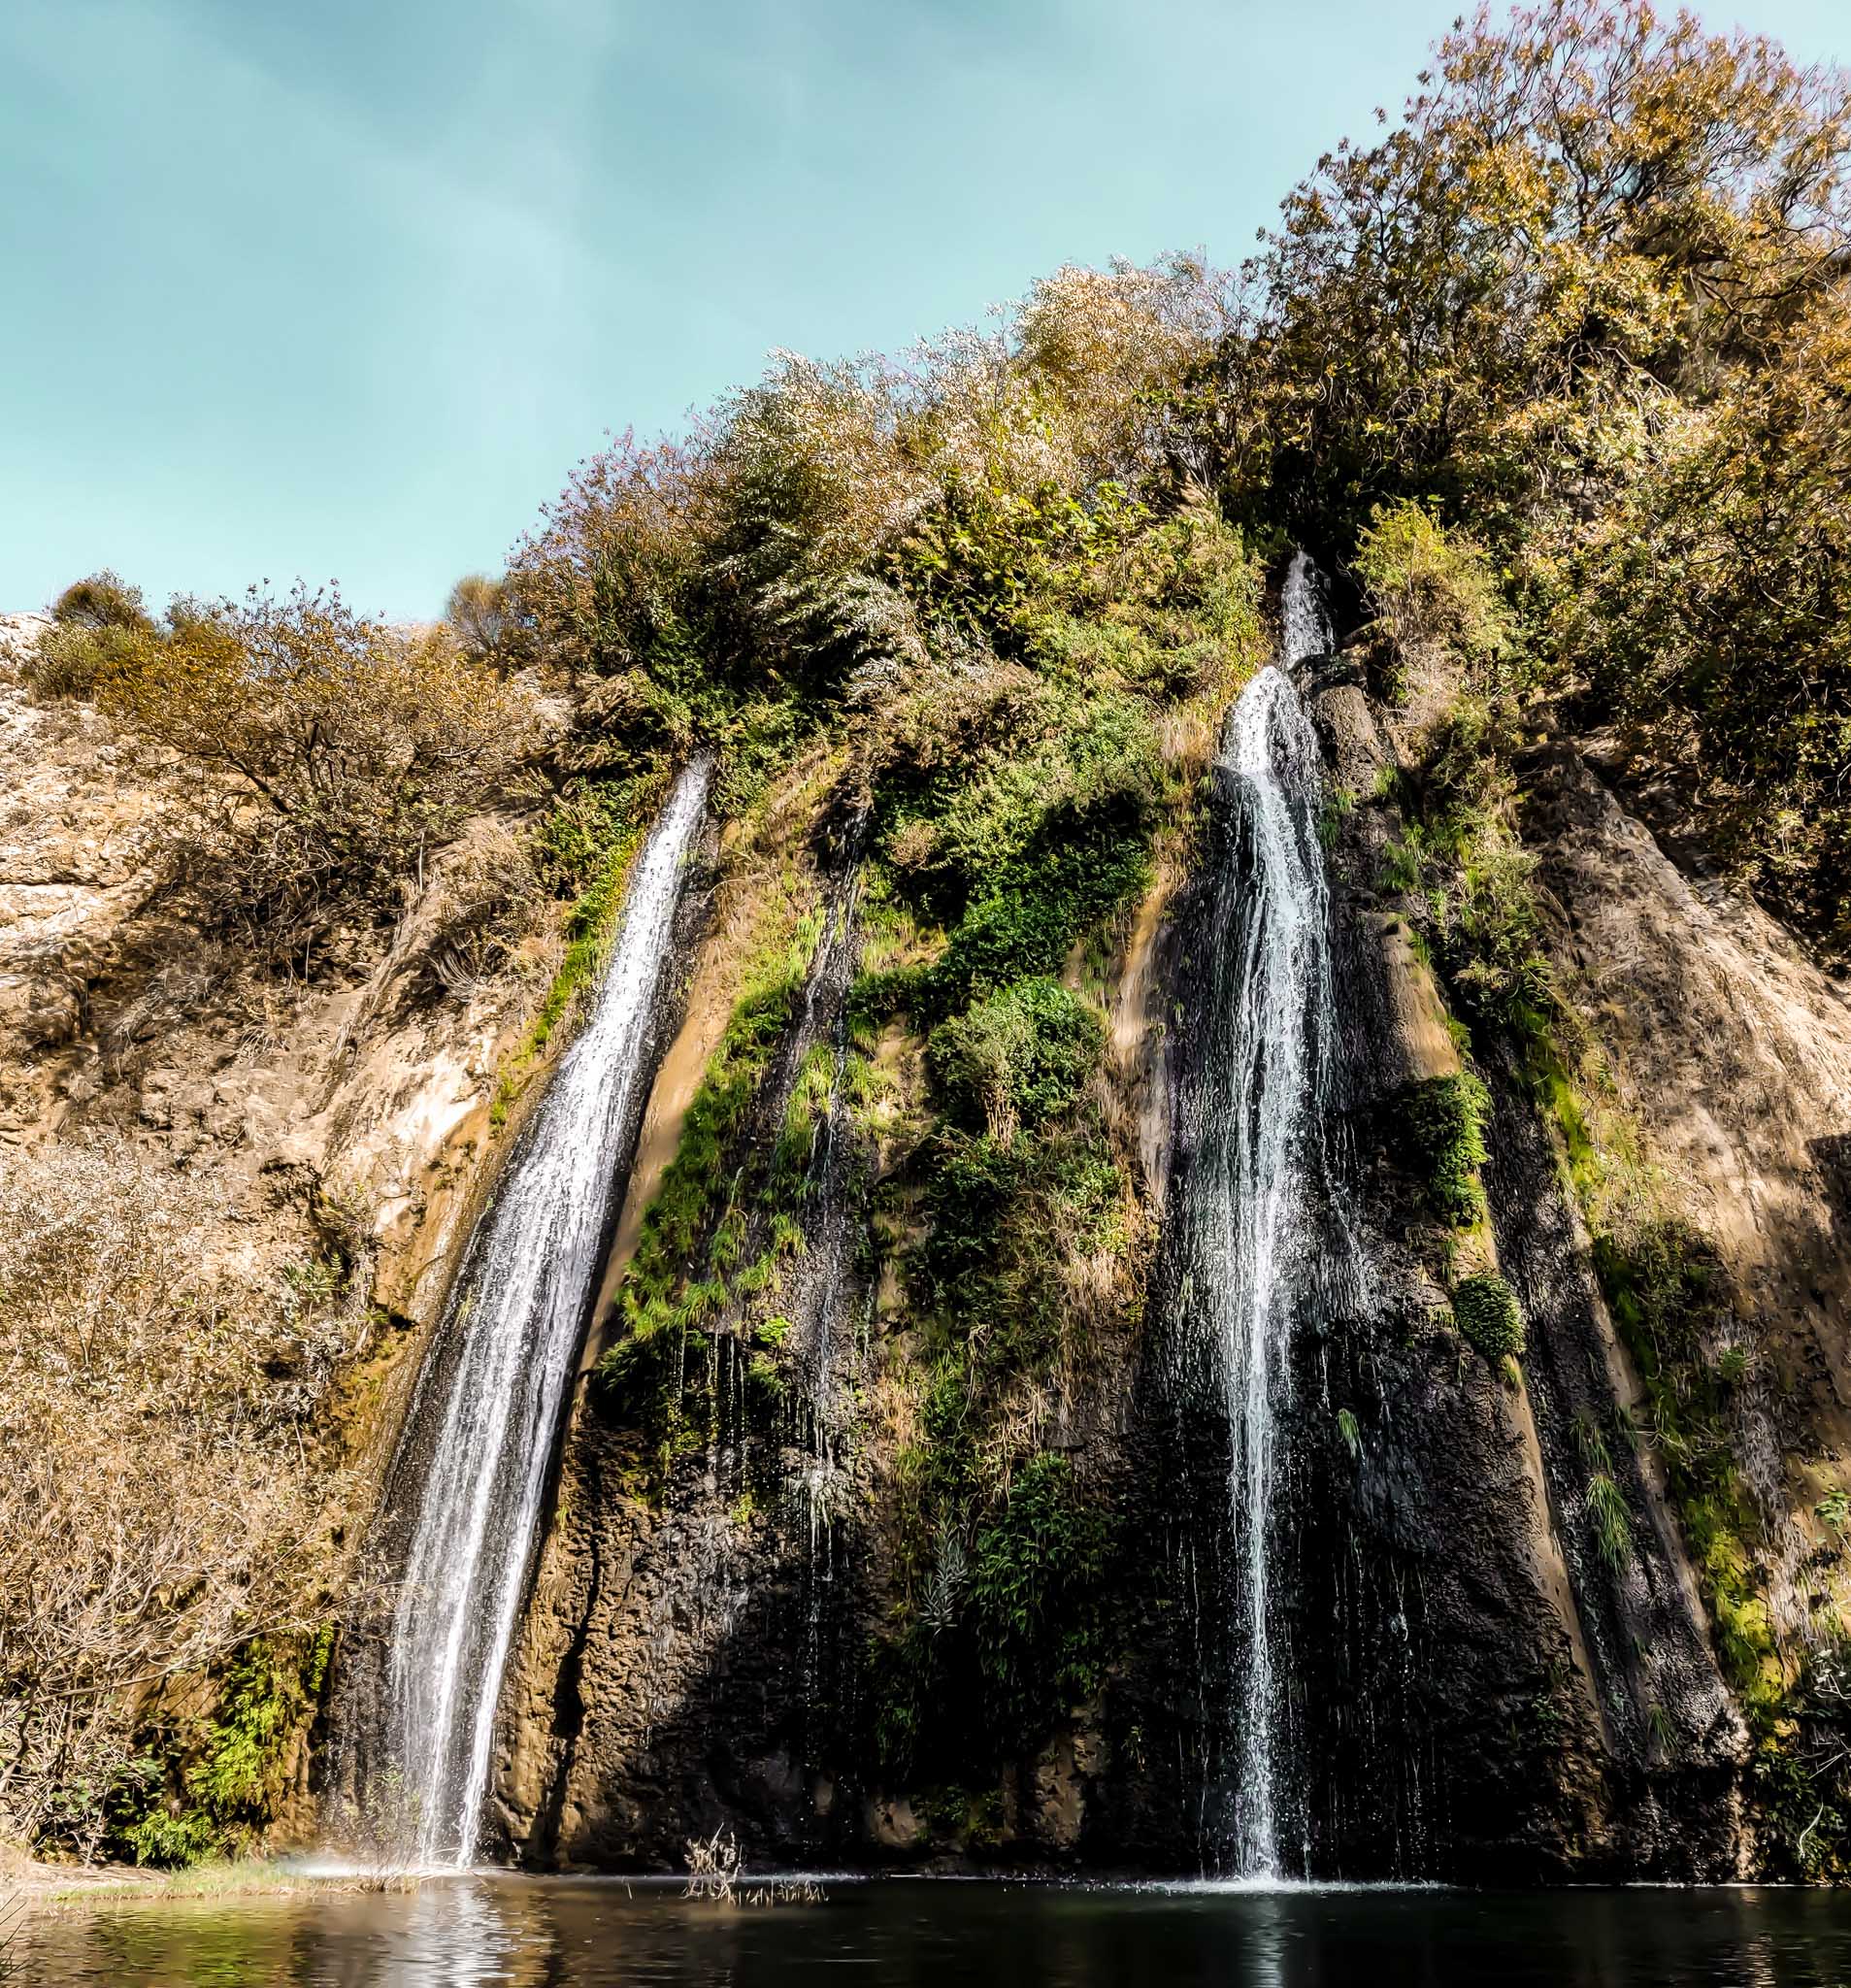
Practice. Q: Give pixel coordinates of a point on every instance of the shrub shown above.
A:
(103, 600)
(485, 899)
(1580, 207)
(1433, 591)
(71, 659)
(170, 1839)
(486, 621)
(835, 530)
(209, 1791)
(995, 561)
(1462, 855)
(1485, 1310)
(1588, 295)
(169, 1494)
(327, 756)
(1022, 856)
(732, 571)
(982, 778)
(1021, 1054)
(1440, 1124)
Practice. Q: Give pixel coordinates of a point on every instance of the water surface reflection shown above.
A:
(504, 1931)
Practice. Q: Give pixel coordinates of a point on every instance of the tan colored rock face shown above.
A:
(352, 1084)
(1732, 1048)
(1732, 1053)
(76, 818)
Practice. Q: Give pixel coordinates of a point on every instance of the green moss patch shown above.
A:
(1485, 1310)
(1438, 1128)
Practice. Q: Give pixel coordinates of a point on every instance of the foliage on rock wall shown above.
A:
(204, 1788)
(1485, 1310)
(1012, 1633)
(1440, 1124)
(1055, 617)
(582, 851)
(1020, 1055)
(724, 1223)
(1460, 859)
(1435, 596)
(1593, 643)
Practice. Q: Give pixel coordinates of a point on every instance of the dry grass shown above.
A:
(714, 1872)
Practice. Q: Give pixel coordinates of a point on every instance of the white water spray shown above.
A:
(1255, 1193)
(511, 1333)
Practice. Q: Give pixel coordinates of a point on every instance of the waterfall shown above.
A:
(1255, 1201)
(495, 1382)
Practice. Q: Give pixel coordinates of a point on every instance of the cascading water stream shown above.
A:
(824, 1288)
(502, 1367)
(1257, 1194)
(830, 971)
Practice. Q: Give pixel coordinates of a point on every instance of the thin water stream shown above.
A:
(1253, 1210)
(483, 1426)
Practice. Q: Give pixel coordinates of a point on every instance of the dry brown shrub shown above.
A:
(484, 903)
(327, 758)
(163, 1498)
(483, 617)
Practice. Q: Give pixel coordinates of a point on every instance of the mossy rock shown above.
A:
(1486, 1312)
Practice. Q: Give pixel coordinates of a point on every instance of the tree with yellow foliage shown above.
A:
(326, 754)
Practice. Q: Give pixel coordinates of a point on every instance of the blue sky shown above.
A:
(342, 288)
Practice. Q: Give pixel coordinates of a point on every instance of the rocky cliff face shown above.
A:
(1568, 1698)
(1505, 1628)
(1733, 1054)
(372, 1081)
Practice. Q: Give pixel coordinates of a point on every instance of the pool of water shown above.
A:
(472, 1932)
